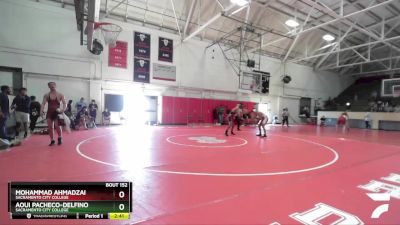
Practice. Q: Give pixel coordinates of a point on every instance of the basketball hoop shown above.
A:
(110, 32)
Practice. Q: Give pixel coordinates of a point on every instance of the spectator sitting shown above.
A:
(380, 106)
(79, 105)
(34, 113)
(68, 112)
(323, 119)
(82, 118)
(106, 117)
(397, 108)
(390, 108)
(374, 107)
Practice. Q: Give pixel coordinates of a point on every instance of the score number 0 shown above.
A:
(121, 206)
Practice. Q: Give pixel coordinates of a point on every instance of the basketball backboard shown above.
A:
(390, 87)
(257, 82)
(87, 14)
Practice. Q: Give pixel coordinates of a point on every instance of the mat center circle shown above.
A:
(206, 141)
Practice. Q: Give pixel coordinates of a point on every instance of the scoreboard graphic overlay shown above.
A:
(70, 200)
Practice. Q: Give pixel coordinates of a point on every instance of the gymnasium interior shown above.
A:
(212, 111)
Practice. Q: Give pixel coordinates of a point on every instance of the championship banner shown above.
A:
(141, 45)
(165, 49)
(141, 70)
(117, 56)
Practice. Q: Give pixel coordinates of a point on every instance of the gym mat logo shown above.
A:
(379, 197)
(207, 140)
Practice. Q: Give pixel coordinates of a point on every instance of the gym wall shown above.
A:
(53, 49)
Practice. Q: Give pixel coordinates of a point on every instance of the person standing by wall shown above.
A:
(367, 119)
(93, 112)
(220, 113)
(34, 113)
(21, 104)
(285, 117)
(5, 110)
(53, 99)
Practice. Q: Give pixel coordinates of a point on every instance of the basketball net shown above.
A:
(110, 33)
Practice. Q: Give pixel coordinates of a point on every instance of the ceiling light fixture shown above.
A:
(292, 23)
(328, 37)
(240, 2)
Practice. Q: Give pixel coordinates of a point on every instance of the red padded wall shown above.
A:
(180, 110)
(175, 110)
(167, 110)
(207, 106)
(194, 108)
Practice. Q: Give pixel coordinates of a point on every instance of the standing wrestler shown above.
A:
(231, 117)
(239, 115)
(54, 100)
(262, 121)
(343, 122)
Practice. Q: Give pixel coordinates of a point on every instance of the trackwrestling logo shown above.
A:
(207, 140)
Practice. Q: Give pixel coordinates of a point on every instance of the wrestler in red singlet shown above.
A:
(53, 99)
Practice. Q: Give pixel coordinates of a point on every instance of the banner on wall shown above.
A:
(141, 59)
(165, 49)
(141, 45)
(164, 72)
(141, 70)
(117, 56)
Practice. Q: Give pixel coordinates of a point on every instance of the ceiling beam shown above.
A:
(322, 60)
(176, 18)
(212, 20)
(324, 24)
(189, 18)
(347, 21)
(375, 71)
(113, 8)
(297, 36)
(361, 63)
(346, 49)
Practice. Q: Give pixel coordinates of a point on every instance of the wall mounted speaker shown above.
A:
(286, 79)
(251, 63)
